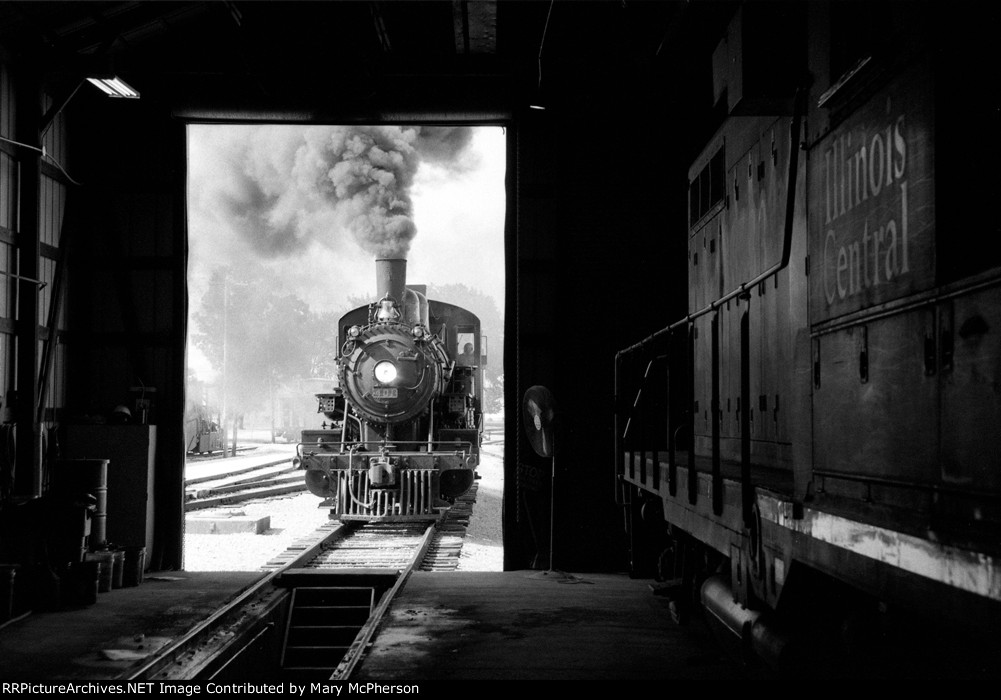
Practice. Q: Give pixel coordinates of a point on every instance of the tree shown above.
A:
(320, 344)
(258, 336)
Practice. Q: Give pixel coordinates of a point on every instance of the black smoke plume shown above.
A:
(294, 185)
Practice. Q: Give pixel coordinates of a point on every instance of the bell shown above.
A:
(387, 311)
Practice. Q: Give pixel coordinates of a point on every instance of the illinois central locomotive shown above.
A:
(405, 424)
(821, 448)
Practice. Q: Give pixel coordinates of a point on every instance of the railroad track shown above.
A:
(243, 483)
(273, 479)
(391, 545)
(354, 569)
(446, 546)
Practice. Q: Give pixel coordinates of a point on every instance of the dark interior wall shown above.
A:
(601, 206)
(127, 299)
(533, 213)
(625, 236)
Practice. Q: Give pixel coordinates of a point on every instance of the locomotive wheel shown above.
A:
(670, 571)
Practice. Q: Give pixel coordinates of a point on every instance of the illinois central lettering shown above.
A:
(865, 210)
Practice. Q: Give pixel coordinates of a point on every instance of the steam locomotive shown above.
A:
(816, 443)
(405, 419)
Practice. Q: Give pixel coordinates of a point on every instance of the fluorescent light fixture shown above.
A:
(536, 107)
(115, 87)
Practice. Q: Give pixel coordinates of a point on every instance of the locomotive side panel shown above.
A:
(875, 403)
(702, 277)
(971, 404)
(702, 406)
(741, 243)
(970, 348)
(872, 194)
(777, 330)
(886, 330)
(739, 238)
(730, 384)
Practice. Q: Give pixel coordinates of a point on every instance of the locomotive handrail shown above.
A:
(639, 393)
(353, 447)
(430, 440)
(344, 427)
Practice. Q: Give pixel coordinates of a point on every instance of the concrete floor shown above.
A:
(105, 640)
(442, 626)
(530, 625)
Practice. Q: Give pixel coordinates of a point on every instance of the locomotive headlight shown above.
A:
(385, 372)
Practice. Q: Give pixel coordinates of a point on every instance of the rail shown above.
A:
(201, 635)
(357, 649)
(170, 653)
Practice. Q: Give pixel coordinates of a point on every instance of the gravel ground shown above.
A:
(296, 515)
(483, 547)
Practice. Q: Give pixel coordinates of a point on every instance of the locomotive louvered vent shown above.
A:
(708, 189)
(415, 498)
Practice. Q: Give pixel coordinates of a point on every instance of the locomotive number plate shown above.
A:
(390, 392)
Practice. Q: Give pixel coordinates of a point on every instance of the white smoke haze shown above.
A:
(317, 204)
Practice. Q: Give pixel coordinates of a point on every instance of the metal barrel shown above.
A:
(87, 476)
(8, 573)
(107, 573)
(134, 566)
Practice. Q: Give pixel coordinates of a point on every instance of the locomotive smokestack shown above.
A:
(391, 279)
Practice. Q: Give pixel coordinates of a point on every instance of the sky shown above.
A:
(319, 204)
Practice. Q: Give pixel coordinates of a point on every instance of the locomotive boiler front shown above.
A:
(390, 372)
(393, 368)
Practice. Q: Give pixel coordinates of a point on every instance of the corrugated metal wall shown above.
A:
(8, 234)
(27, 269)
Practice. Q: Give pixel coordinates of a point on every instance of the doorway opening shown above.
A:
(285, 223)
